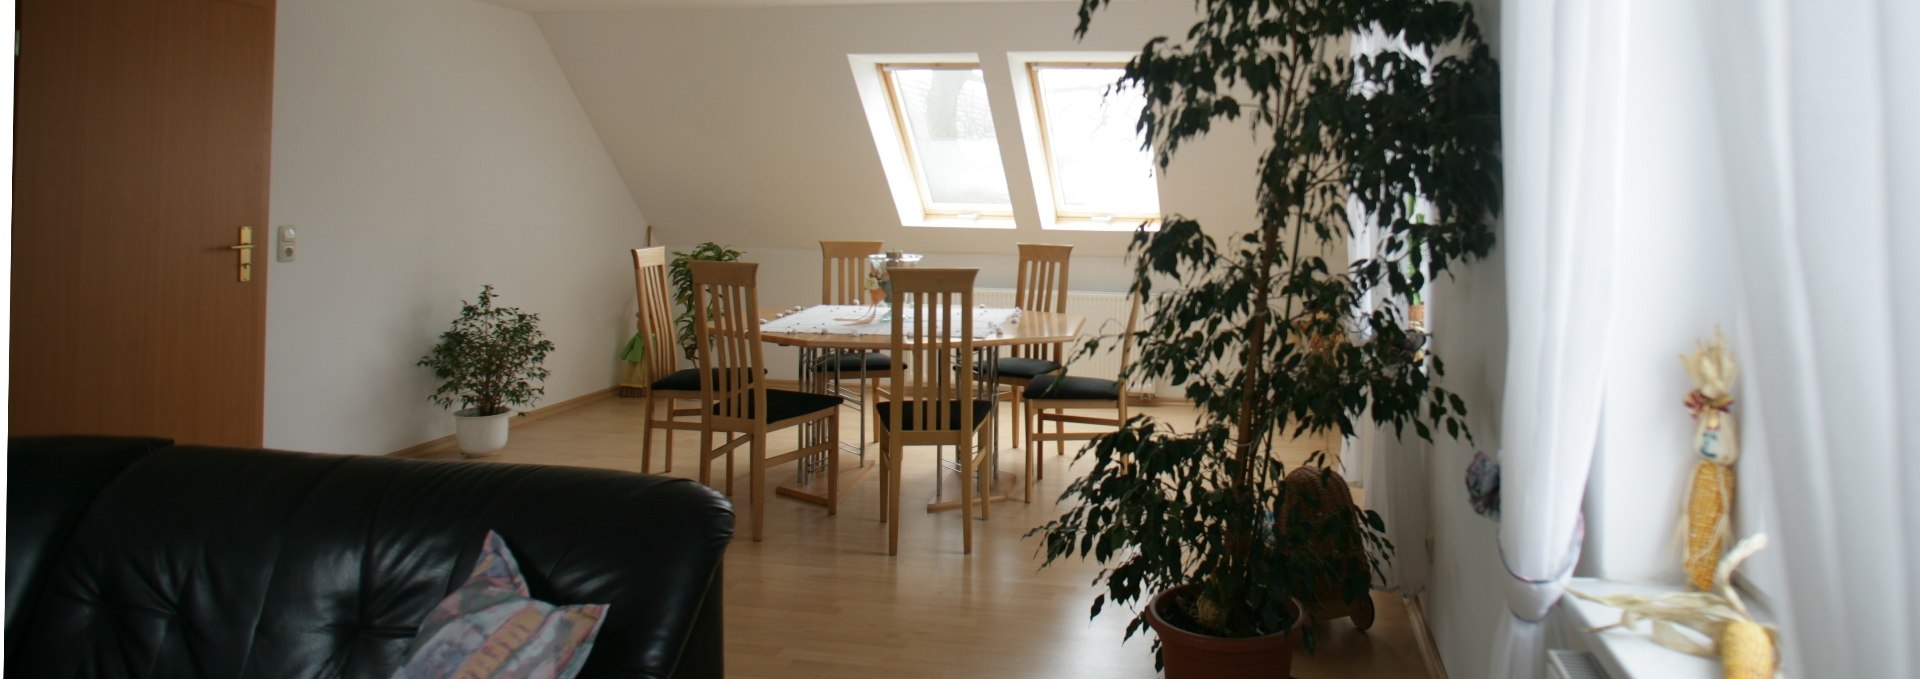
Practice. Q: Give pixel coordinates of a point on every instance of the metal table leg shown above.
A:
(807, 486)
(995, 488)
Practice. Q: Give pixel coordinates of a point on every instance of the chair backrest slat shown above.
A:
(1126, 355)
(843, 270)
(933, 348)
(1041, 285)
(1126, 340)
(728, 333)
(656, 312)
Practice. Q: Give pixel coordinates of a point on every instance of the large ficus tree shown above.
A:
(1260, 327)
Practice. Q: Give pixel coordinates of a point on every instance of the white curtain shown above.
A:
(1820, 120)
(1561, 63)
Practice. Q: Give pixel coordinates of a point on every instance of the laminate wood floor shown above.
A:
(821, 598)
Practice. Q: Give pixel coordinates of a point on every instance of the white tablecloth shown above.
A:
(832, 319)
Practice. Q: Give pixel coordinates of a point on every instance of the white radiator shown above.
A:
(1106, 314)
(1566, 664)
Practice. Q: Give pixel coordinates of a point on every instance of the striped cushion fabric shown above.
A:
(492, 627)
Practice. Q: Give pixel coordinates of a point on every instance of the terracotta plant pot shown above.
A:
(1191, 655)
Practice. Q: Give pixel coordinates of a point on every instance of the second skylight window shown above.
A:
(1093, 155)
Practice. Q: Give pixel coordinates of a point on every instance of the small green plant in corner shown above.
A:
(1258, 326)
(682, 279)
(490, 359)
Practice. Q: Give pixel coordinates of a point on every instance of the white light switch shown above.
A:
(285, 252)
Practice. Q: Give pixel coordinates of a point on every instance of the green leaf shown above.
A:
(490, 358)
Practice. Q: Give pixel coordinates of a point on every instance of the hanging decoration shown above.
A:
(1483, 485)
(1716, 440)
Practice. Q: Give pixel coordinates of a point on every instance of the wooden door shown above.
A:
(141, 148)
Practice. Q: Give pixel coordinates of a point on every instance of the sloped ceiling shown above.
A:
(742, 124)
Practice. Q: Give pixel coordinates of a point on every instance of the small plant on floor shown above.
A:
(1259, 327)
(490, 359)
(682, 279)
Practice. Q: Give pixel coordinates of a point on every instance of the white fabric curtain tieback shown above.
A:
(1531, 599)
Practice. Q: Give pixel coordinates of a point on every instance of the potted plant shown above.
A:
(488, 362)
(682, 279)
(1261, 330)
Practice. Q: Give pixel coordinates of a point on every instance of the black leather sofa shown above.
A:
(136, 558)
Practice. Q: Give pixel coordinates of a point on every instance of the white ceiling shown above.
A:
(538, 6)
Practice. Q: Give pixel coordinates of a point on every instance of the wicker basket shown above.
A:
(1318, 495)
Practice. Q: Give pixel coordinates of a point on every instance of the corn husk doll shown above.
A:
(1744, 647)
(1716, 441)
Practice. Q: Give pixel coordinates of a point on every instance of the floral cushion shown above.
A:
(492, 627)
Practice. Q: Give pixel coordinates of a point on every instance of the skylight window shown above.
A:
(940, 147)
(1077, 125)
(1097, 167)
(934, 130)
(947, 131)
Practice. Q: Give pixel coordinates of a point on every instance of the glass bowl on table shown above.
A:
(879, 288)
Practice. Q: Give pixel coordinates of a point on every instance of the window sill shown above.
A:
(957, 223)
(1624, 653)
(1115, 225)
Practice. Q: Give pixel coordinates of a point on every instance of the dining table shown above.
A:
(820, 332)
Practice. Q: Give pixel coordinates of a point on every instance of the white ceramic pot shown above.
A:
(480, 435)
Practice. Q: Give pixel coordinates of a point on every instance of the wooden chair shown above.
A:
(1060, 393)
(843, 280)
(660, 381)
(932, 403)
(843, 270)
(734, 381)
(1040, 286)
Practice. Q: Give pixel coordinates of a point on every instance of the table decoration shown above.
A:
(841, 319)
(1746, 648)
(879, 286)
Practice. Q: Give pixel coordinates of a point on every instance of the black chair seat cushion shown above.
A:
(908, 421)
(1062, 387)
(684, 380)
(1023, 368)
(854, 362)
(783, 404)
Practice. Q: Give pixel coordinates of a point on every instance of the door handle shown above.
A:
(245, 248)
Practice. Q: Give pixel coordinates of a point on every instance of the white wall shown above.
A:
(743, 126)
(422, 148)
(7, 21)
(1463, 600)
(1675, 286)
(1468, 315)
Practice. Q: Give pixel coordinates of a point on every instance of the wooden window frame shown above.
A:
(1060, 211)
(927, 205)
